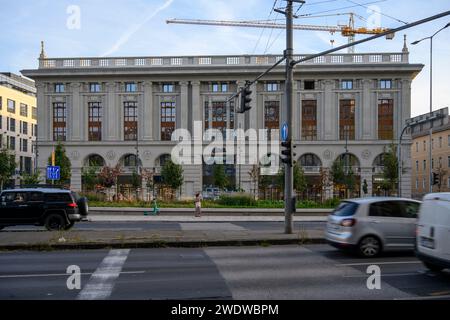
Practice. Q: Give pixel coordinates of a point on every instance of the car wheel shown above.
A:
(369, 247)
(55, 222)
(433, 267)
(83, 206)
(1, 228)
(69, 226)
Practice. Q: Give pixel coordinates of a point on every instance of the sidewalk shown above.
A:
(202, 232)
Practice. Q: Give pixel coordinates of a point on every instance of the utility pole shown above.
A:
(289, 199)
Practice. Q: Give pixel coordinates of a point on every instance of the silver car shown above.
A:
(373, 225)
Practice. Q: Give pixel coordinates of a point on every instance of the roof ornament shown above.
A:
(42, 55)
(405, 47)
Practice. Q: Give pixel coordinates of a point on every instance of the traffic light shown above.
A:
(286, 152)
(245, 99)
(436, 178)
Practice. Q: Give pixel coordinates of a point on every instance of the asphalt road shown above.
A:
(274, 272)
(160, 225)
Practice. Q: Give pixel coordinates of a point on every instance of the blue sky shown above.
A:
(138, 28)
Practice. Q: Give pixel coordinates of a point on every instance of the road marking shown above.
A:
(387, 275)
(57, 275)
(202, 226)
(425, 298)
(376, 263)
(101, 283)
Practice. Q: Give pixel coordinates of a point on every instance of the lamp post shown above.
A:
(430, 155)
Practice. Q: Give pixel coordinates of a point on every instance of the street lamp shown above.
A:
(431, 98)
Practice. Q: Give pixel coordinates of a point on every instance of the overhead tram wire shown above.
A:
(271, 33)
(342, 8)
(310, 57)
(262, 31)
(376, 11)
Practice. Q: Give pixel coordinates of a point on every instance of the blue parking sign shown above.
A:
(53, 172)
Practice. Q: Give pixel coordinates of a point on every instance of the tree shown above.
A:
(7, 166)
(31, 179)
(89, 178)
(390, 169)
(63, 162)
(219, 176)
(300, 183)
(337, 173)
(441, 173)
(108, 177)
(172, 175)
(254, 176)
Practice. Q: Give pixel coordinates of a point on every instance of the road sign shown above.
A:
(53, 173)
(284, 132)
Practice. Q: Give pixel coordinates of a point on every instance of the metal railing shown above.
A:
(202, 61)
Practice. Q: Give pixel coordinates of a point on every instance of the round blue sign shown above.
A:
(284, 132)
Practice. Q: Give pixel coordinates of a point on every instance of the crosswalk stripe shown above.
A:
(102, 281)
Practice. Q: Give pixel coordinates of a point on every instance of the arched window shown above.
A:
(95, 160)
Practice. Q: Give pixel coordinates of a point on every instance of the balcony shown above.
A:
(207, 61)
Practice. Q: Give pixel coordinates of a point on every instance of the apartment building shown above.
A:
(440, 151)
(18, 120)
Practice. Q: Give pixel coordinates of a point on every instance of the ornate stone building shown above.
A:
(354, 104)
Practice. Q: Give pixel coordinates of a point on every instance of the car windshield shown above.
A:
(346, 209)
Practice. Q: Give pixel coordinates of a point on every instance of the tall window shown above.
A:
(386, 84)
(34, 113)
(309, 120)
(168, 120)
(59, 121)
(60, 88)
(347, 84)
(385, 119)
(219, 87)
(95, 121)
(130, 87)
(271, 117)
(347, 119)
(23, 110)
(11, 106)
(1, 103)
(11, 125)
(24, 127)
(271, 86)
(167, 87)
(130, 121)
(95, 87)
(309, 85)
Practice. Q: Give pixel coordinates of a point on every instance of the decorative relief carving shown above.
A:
(327, 154)
(75, 155)
(110, 155)
(147, 155)
(366, 154)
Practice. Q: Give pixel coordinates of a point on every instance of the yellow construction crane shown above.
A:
(348, 31)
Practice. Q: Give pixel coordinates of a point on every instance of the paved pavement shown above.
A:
(143, 232)
(273, 272)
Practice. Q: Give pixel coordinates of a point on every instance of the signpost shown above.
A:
(53, 173)
(284, 132)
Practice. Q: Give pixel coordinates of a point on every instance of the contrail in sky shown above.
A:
(135, 28)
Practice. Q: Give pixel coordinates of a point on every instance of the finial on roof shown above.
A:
(42, 55)
(405, 47)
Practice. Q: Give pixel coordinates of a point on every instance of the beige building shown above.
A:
(440, 163)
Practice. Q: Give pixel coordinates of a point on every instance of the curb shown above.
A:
(159, 244)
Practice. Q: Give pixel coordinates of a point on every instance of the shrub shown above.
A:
(332, 203)
(243, 200)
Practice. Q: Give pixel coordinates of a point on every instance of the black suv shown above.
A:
(56, 209)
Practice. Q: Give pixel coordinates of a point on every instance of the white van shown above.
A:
(433, 231)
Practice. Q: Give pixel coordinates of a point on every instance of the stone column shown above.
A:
(75, 124)
(329, 116)
(184, 108)
(368, 125)
(111, 113)
(75, 180)
(147, 123)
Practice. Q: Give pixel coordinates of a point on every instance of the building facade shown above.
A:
(440, 151)
(118, 110)
(18, 120)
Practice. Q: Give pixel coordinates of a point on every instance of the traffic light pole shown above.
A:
(288, 170)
